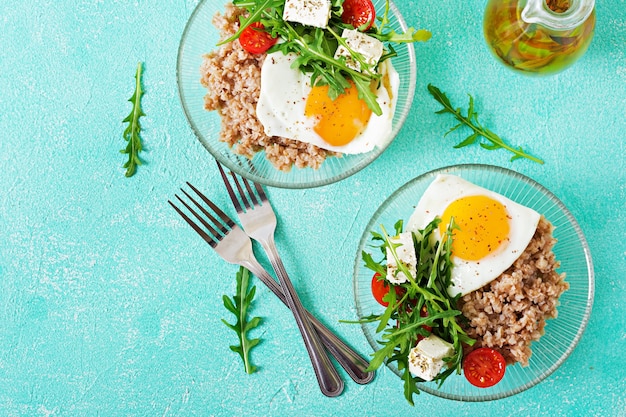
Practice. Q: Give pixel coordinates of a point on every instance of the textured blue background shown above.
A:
(110, 305)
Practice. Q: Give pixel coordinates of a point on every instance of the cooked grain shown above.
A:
(510, 313)
(232, 77)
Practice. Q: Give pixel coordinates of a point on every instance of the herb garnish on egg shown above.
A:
(316, 46)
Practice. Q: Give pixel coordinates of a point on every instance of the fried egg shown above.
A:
(290, 107)
(493, 230)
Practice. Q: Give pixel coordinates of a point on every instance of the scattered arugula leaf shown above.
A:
(402, 326)
(478, 131)
(315, 47)
(239, 306)
(131, 133)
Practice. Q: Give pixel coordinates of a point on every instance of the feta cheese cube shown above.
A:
(370, 48)
(426, 359)
(308, 12)
(406, 255)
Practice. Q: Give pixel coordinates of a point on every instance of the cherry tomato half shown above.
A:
(255, 39)
(358, 13)
(484, 367)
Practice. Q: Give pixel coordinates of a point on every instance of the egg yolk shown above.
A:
(340, 120)
(483, 226)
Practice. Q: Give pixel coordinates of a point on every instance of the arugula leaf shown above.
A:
(410, 36)
(478, 131)
(131, 133)
(255, 9)
(372, 264)
(410, 386)
(400, 326)
(315, 47)
(239, 306)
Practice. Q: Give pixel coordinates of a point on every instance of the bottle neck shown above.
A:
(537, 11)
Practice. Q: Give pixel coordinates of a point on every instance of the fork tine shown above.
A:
(227, 220)
(247, 203)
(261, 192)
(230, 190)
(242, 195)
(253, 197)
(223, 230)
(194, 226)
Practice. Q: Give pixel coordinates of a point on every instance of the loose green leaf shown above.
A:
(471, 120)
(239, 306)
(131, 133)
(471, 139)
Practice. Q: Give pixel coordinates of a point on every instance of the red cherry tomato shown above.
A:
(484, 367)
(380, 288)
(255, 39)
(358, 13)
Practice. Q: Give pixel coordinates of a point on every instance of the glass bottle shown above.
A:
(539, 36)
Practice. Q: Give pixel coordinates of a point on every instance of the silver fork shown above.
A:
(234, 246)
(351, 361)
(259, 222)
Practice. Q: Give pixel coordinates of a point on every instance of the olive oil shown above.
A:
(538, 44)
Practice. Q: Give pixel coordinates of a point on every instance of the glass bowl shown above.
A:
(200, 37)
(561, 334)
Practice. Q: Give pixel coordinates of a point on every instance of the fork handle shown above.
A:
(355, 365)
(329, 381)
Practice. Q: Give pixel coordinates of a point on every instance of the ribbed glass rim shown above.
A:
(244, 168)
(540, 189)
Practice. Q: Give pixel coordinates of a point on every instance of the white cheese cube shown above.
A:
(308, 12)
(370, 48)
(406, 255)
(426, 359)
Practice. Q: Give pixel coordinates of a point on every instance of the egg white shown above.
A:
(283, 95)
(468, 276)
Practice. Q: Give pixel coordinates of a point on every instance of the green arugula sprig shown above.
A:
(426, 290)
(387, 34)
(239, 306)
(131, 133)
(315, 47)
(478, 131)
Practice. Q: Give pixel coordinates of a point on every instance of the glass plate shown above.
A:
(200, 37)
(561, 334)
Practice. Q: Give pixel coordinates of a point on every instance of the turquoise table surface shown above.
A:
(111, 306)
